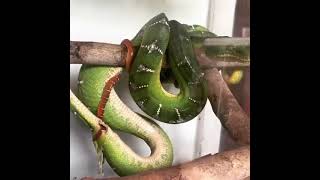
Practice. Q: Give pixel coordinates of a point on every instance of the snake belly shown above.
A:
(162, 39)
(122, 159)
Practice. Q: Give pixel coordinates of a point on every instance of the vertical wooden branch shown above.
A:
(226, 107)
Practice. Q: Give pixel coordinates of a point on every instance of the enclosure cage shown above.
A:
(111, 22)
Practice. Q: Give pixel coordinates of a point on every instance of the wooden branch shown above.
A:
(227, 165)
(96, 53)
(113, 55)
(228, 41)
(219, 63)
(226, 107)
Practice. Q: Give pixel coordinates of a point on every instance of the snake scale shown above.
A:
(102, 110)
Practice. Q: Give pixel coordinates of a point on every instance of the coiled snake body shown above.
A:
(158, 40)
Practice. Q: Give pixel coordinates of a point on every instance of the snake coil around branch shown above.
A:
(102, 110)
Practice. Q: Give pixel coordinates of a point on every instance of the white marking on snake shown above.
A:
(80, 82)
(162, 21)
(152, 47)
(186, 60)
(133, 86)
(180, 63)
(143, 86)
(158, 111)
(192, 100)
(142, 102)
(143, 68)
(178, 113)
(192, 83)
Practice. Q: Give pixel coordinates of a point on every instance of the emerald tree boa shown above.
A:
(99, 106)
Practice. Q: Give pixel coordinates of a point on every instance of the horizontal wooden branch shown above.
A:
(227, 165)
(228, 41)
(113, 55)
(96, 53)
(207, 63)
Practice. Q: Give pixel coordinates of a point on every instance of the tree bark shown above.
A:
(228, 165)
(113, 55)
(207, 63)
(227, 108)
(227, 41)
(96, 53)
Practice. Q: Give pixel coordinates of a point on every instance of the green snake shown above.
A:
(102, 110)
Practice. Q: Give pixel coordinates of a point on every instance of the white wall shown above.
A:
(221, 16)
(114, 20)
